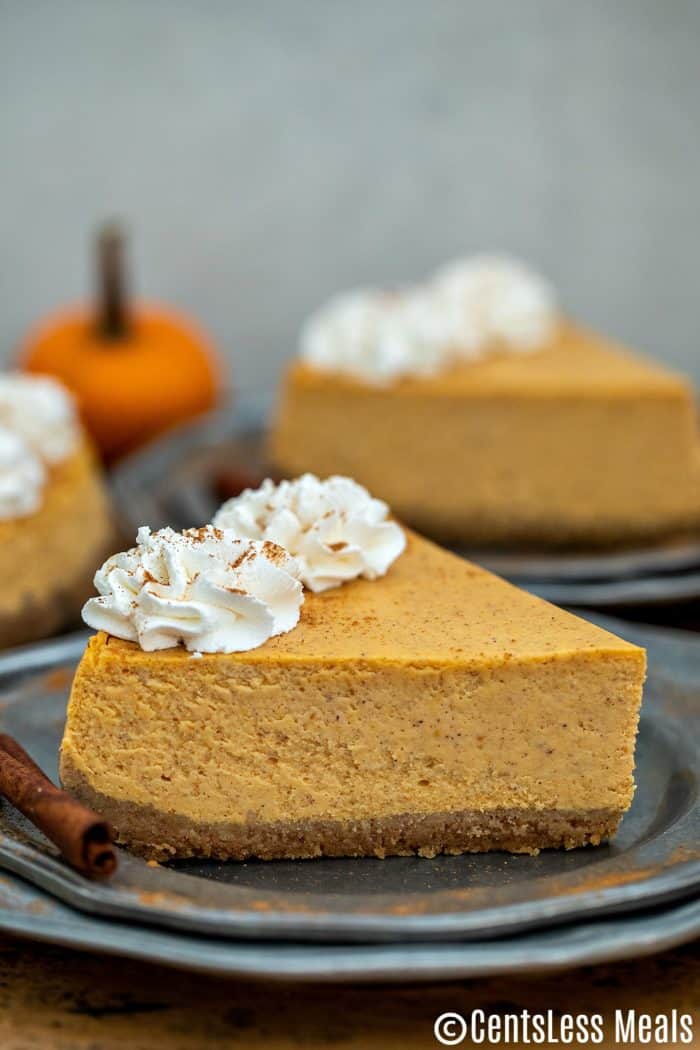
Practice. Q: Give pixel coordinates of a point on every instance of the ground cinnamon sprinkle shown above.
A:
(242, 558)
(204, 532)
(610, 881)
(274, 552)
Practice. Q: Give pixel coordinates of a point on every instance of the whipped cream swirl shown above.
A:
(466, 310)
(42, 411)
(22, 477)
(203, 588)
(334, 529)
(494, 301)
(377, 335)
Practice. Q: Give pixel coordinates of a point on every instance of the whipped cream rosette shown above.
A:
(203, 588)
(467, 309)
(42, 412)
(377, 335)
(334, 529)
(22, 476)
(494, 301)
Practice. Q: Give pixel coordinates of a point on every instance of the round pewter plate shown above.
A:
(654, 859)
(173, 482)
(26, 912)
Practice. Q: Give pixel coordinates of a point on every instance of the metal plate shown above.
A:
(26, 912)
(171, 484)
(655, 857)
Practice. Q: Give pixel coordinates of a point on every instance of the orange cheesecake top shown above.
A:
(432, 608)
(576, 360)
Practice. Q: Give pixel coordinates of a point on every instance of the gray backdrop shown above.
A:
(266, 154)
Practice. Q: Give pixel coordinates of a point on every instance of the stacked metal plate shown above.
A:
(363, 919)
(369, 919)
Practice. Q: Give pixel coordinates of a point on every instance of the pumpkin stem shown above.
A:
(112, 313)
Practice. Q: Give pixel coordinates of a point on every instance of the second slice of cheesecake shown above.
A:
(484, 416)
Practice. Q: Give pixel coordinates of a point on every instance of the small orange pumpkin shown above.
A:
(136, 369)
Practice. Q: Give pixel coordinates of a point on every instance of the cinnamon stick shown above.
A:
(84, 839)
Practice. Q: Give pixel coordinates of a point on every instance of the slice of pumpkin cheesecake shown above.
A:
(419, 704)
(486, 417)
(55, 518)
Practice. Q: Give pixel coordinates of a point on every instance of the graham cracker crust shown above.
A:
(157, 835)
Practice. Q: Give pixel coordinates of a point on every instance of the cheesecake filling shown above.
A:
(466, 310)
(22, 477)
(203, 588)
(307, 757)
(334, 529)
